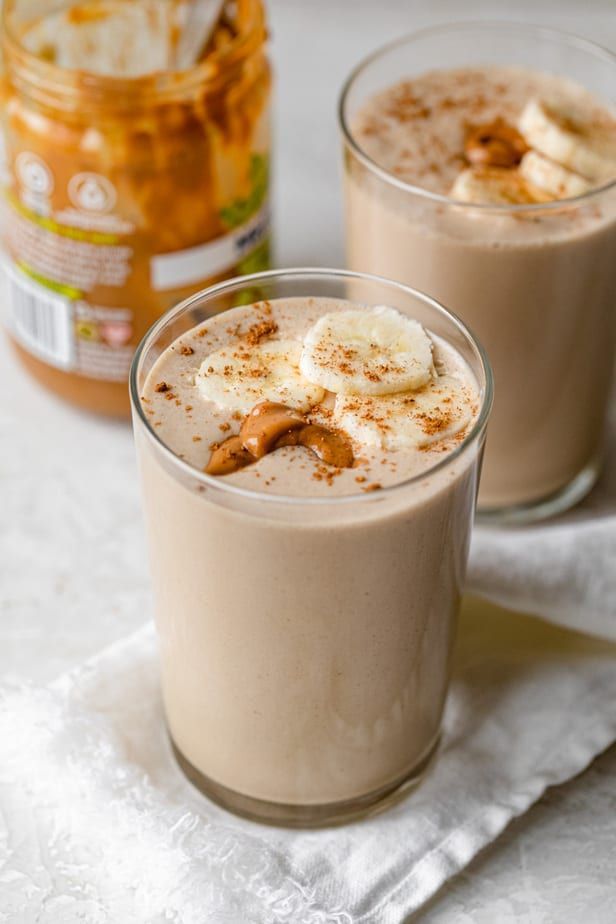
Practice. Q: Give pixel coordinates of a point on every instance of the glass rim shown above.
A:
(60, 81)
(219, 484)
(560, 35)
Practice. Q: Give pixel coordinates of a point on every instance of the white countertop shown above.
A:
(72, 564)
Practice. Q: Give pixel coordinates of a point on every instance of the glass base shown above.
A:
(558, 502)
(307, 816)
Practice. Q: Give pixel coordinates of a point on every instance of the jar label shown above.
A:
(53, 266)
(74, 267)
(186, 267)
(41, 320)
(65, 331)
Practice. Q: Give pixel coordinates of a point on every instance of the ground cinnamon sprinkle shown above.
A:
(414, 129)
(265, 306)
(256, 373)
(259, 331)
(380, 416)
(432, 424)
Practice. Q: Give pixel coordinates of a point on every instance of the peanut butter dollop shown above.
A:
(329, 446)
(495, 144)
(266, 424)
(228, 457)
(270, 426)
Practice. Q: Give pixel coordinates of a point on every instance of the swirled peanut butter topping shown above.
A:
(229, 457)
(266, 424)
(495, 144)
(328, 445)
(270, 426)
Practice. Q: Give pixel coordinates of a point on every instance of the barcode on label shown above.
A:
(40, 319)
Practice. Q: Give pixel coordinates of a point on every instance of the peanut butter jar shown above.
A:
(128, 184)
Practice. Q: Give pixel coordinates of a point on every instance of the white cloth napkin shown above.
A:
(97, 824)
(563, 570)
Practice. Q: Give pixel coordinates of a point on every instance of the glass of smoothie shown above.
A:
(309, 465)
(480, 165)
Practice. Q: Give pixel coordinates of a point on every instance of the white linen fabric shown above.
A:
(97, 824)
(564, 569)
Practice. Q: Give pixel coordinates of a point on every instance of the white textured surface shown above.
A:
(99, 824)
(563, 569)
(72, 565)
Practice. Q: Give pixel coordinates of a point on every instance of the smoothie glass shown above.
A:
(306, 641)
(536, 283)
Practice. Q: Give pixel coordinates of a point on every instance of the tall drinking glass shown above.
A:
(536, 283)
(306, 641)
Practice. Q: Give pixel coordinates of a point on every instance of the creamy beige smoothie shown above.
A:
(309, 468)
(483, 185)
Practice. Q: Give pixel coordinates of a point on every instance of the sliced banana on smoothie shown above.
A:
(496, 186)
(375, 351)
(238, 376)
(570, 138)
(375, 366)
(554, 179)
(412, 420)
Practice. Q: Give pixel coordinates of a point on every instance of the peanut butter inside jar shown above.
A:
(129, 183)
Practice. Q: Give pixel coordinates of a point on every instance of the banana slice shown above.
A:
(551, 177)
(377, 351)
(238, 377)
(568, 138)
(495, 186)
(412, 420)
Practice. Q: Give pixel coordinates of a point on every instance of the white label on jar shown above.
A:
(40, 319)
(195, 264)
